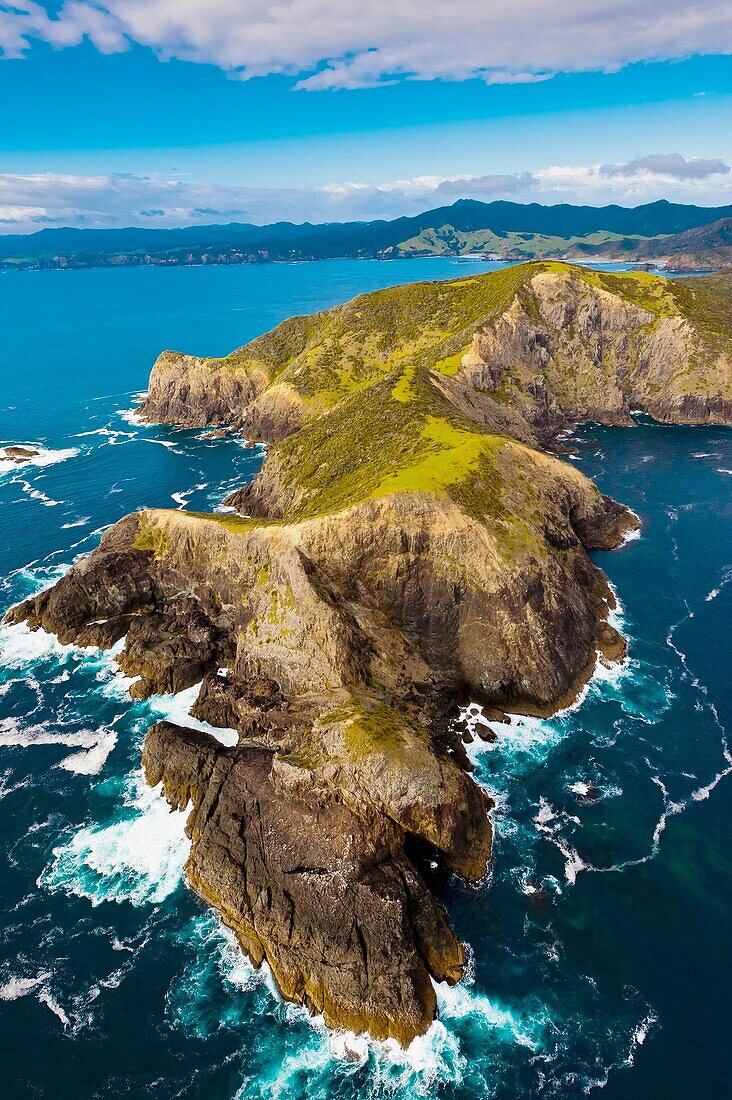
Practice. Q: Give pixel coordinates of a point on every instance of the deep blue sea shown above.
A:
(601, 953)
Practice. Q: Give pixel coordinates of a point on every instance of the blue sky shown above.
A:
(159, 113)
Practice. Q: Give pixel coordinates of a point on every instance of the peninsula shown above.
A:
(412, 542)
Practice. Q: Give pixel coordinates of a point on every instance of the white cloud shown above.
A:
(347, 44)
(31, 202)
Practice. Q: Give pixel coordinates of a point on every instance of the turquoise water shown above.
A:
(599, 947)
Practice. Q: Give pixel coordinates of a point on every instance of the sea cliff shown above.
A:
(410, 543)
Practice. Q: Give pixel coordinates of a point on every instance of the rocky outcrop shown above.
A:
(570, 350)
(18, 454)
(406, 546)
(548, 347)
(324, 893)
(346, 641)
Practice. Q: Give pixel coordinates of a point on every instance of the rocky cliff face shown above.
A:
(572, 351)
(404, 548)
(544, 346)
(346, 641)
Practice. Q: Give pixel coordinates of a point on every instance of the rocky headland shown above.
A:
(410, 543)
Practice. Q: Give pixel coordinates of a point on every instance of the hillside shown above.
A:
(409, 544)
(707, 247)
(528, 350)
(523, 231)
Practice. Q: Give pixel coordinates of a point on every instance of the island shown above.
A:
(414, 541)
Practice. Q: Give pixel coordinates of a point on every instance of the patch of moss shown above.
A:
(450, 365)
(151, 537)
(371, 727)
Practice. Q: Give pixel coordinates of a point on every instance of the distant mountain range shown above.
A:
(654, 232)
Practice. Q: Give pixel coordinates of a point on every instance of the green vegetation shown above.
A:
(150, 537)
(371, 726)
(448, 241)
(377, 423)
(331, 355)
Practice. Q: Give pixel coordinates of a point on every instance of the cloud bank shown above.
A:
(32, 202)
(327, 44)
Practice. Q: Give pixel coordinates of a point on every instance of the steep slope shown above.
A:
(526, 351)
(407, 545)
(707, 247)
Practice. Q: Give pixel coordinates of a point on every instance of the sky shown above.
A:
(175, 112)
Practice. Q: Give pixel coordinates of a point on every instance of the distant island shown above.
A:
(413, 541)
(673, 236)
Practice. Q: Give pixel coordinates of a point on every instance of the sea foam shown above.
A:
(139, 858)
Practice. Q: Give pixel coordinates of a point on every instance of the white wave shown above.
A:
(80, 522)
(47, 999)
(431, 1061)
(525, 733)
(521, 734)
(182, 498)
(38, 494)
(94, 745)
(461, 1002)
(164, 443)
(13, 733)
(138, 859)
(594, 790)
(14, 988)
(722, 470)
(551, 822)
(638, 1037)
(725, 579)
(176, 708)
(7, 786)
(132, 416)
(633, 534)
(93, 760)
(45, 456)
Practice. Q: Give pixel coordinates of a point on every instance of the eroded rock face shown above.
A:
(344, 642)
(569, 351)
(198, 393)
(563, 350)
(323, 893)
(336, 640)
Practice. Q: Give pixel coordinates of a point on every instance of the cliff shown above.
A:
(406, 546)
(526, 351)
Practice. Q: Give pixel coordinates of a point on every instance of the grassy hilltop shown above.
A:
(390, 391)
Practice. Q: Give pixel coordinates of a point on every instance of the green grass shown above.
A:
(379, 425)
(448, 241)
(372, 727)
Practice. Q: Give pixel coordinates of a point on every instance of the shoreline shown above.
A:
(651, 267)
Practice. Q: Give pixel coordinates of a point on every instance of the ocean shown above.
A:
(599, 948)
